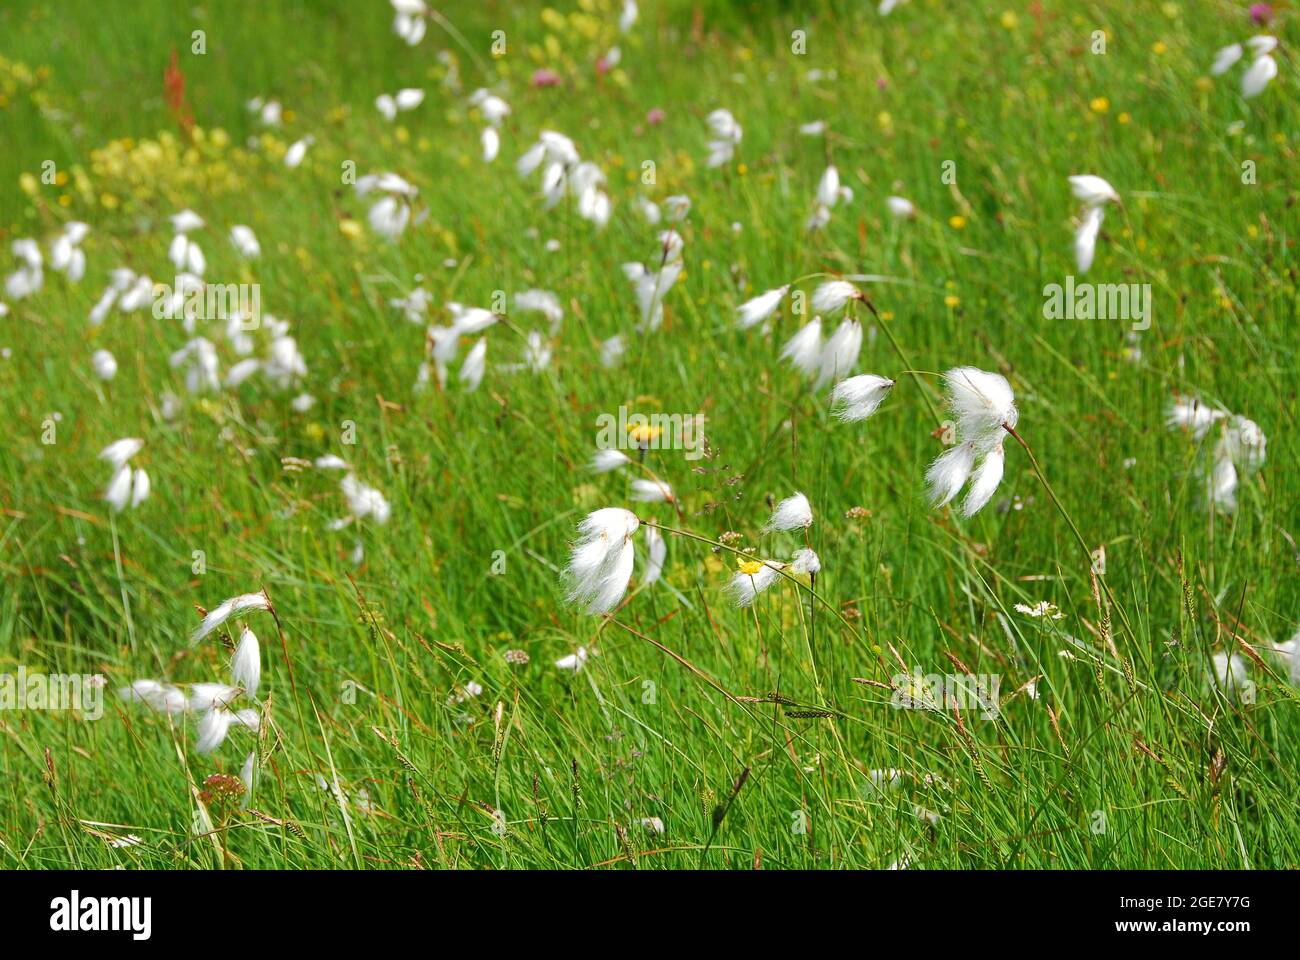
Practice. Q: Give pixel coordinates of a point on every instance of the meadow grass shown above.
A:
(748, 732)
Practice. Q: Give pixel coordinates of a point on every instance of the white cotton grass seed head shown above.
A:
(246, 665)
(1085, 239)
(601, 560)
(753, 312)
(213, 728)
(244, 603)
(1229, 673)
(1092, 190)
(792, 513)
(607, 460)
(1258, 76)
(656, 549)
(118, 491)
(804, 349)
(901, 208)
(646, 490)
(949, 472)
(985, 482)
(805, 562)
(982, 401)
(857, 398)
(119, 452)
(833, 295)
(840, 354)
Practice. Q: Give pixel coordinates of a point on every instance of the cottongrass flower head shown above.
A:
(834, 295)
(1228, 672)
(985, 408)
(753, 312)
(804, 349)
(608, 460)
(792, 513)
(1093, 190)
(857, 398)
(601, 561)
(246, 665)
(1085, 238)
(235, 606)
(646, 490)
(727, 135)
(840, 354)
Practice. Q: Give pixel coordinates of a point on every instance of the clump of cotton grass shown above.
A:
(184, 252)
(1262, 69)
(391, 213)
(1239, 447)
(564, 173)
(985, 408)
(212, 701)
(1288, 652)
(653, 284)
(829, 193)
(792, 513)
(494, 110)
(30, 276)
(104, 364)
(403, 101)
(602, 559)
(1094, 193)
(245, 241)
(900, 208)
(409, 20)
(727, 135)
(234, 607)
(128, 486)
(66, 255)
(857, 398)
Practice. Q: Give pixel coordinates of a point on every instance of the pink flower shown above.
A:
(1261, 13)
(654, 117)
(546, 78)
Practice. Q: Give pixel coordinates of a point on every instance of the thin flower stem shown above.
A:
(741, 553)
(1060, 508)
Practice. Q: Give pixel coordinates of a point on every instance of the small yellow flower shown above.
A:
(1009, 19)
(1204, 83)
(643, 432)
(951, 301)
(748, 567)
(1159, 48)
(350, 229)
(1124, 118)
(1099, 104)
(742, 169)
(957, 222)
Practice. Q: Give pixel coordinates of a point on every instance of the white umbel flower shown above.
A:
(792, 513)
(857, 398)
